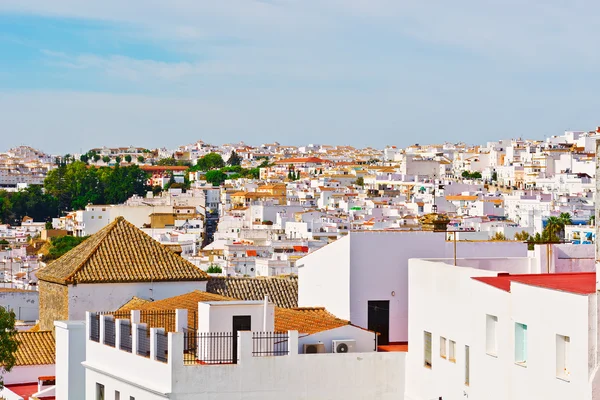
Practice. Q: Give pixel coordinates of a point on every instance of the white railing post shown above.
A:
(293, 343)
(244, 347)
(102, 328)
(118, 333)
(135, 316)
(134, 338)
(181, 320)
(176, 349)
(153, 343)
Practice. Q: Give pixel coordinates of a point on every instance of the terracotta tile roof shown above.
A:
(134, 304)
(306, 320)
(120, 252)
(282, 291)
(35, 348)
(572, 282)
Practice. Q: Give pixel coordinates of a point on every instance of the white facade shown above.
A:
(450, 306)
(25, 304)
(373, 266)
(110, 296)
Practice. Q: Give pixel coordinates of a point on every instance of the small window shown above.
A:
(521, 344)
(467, 365)
(117, 395)
(562, 357)
(131, 398)
(452, 351)
(491, 345)
(443, 347)
(92, 217)
(100, 217)
(99, 391)
(427, 348)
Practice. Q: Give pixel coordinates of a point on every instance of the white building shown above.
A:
(363, 277)
(490, 335)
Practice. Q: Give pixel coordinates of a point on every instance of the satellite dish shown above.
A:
(341, 348)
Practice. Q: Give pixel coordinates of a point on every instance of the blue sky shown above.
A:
(79, 74)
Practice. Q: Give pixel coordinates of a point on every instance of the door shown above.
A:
(240, 323)
(378, 320)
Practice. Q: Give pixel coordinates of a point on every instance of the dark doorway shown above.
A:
(240, 323)
(378, 320)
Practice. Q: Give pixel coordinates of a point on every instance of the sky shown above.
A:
(80, 74)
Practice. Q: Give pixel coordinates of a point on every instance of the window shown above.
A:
(521, 344)
(117, 395)
(562, 357)
(452, 351)
(131, 398)
(491, 346)
(442, 347)
(99, 391)
(427, 348)
(467, 365)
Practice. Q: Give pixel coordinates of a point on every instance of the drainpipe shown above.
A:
(265, 312)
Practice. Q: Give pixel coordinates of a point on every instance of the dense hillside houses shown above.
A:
(434, 271)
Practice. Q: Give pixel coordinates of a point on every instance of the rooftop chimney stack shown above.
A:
(597, 215)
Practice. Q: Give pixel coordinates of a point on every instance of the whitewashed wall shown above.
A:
(445, 301)
(365, 340)
(25, 304)
(28, 374)
(110, 296)
(324, 278)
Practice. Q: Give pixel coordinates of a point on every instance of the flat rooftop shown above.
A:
(576, 282)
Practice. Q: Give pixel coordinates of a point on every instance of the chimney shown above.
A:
(596, 214)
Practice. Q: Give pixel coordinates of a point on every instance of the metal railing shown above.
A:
(109, 332)
(95, 327)
(209, 348)
(268, 344)
(143, 344)
(126, 342)
(165, 319)
(162, 346)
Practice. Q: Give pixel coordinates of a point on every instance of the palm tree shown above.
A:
(554, 226)
(565, 218)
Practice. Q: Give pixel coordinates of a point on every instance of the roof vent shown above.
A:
(503, 274)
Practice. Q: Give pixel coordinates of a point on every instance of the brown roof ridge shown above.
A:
(120, 252)
(108, 228)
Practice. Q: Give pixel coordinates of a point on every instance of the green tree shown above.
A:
(360, 181)
(32, 202)
(128, 158)
(209, 162)
(170, 162)
(96, 157)
(465, 174)
(234, 159)
(118, 160)
(216, 177)
(476, 175)
(8, 343)
(494, 176)
(140, 159)
(61, 245)
(84, 158)
(523, 236)
(499, 236)
(106, 159)
(592, 220)
(565, 218)
(214, 269)
(48, 225)
(554, 226)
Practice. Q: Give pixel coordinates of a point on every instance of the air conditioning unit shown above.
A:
(314, 348)
(343, 346)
